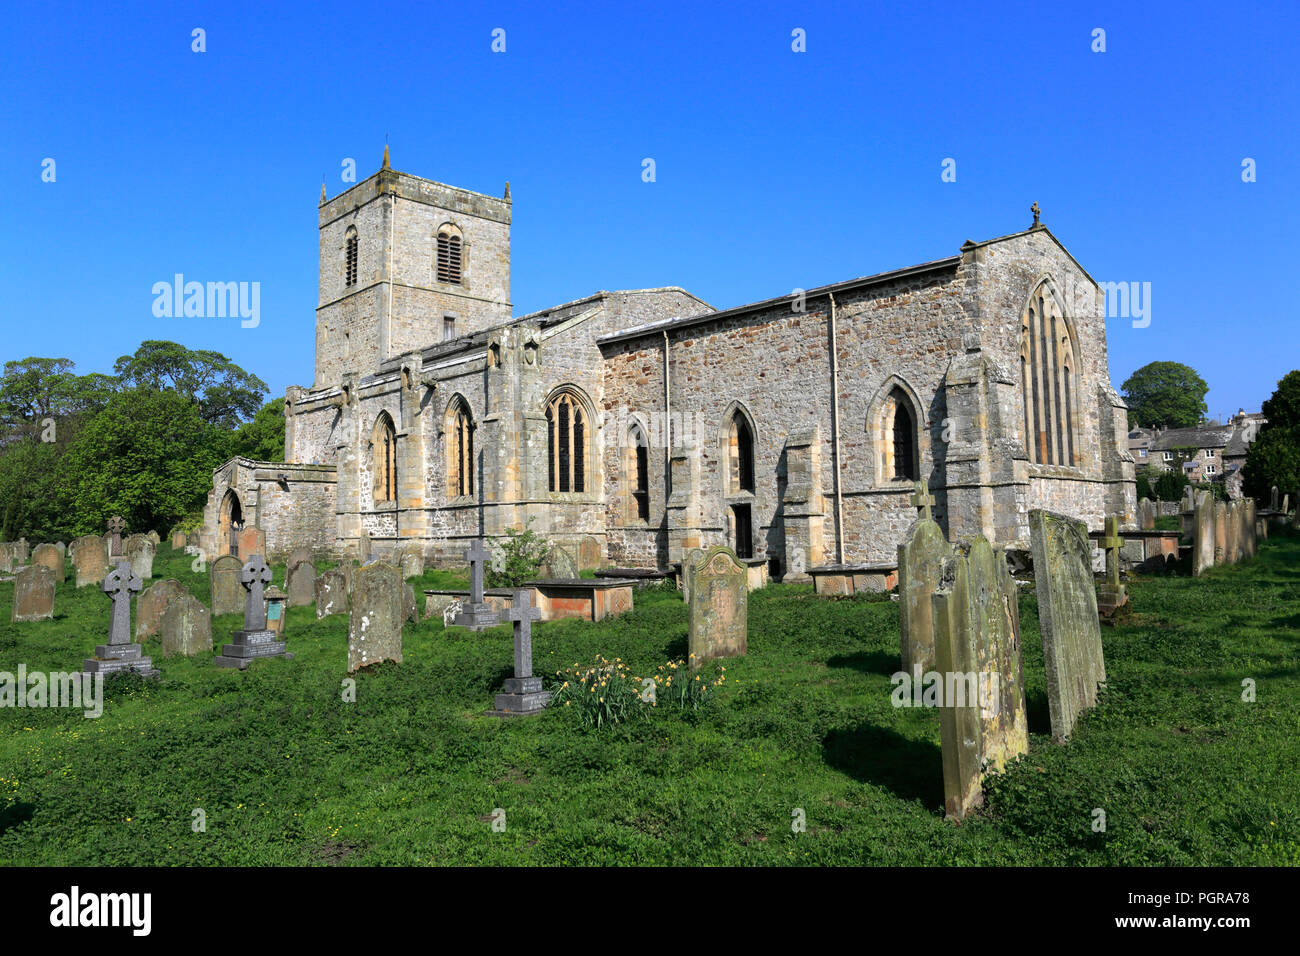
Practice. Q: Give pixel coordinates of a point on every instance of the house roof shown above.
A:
(1203, 436)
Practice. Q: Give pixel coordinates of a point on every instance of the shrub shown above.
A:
(520, 558)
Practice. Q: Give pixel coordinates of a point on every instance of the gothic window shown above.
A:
(740, 454)
(898, 438)
(350, 258)
(566, 443)
(639, 473)
(1048, 370)
(459, 434)
(384, 460)
(450, 249)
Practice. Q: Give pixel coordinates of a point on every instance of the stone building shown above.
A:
(634, 425)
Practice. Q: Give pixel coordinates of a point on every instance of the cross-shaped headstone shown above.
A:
(922, 498)
(1036, 211)
(1112, 542)
(476, 555)
(119, 585)
(115, 527)
(254, 576)
(522, 613)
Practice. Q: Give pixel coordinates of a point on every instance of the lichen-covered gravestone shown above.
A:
(331, 593)
(920, 564)
(113, 539)
(33, 594)
(152, 604)
(378, 611)
(186, 628)
(1232, 540)
(719, 608)
(1221, 532)
(562, 565)
(412, 562)
(140, 551)
(300, 582)
(1249, 529)
(692, 558)
(89, 559)
(1203, 547)
(297, 556)
(1067, 617)
(227, 593)
(1146, 515)
(982, 722)
(1113, 595)
(49, 556)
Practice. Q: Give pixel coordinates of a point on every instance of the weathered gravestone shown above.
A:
(363, 548)
(331, 593)
(693, 557)
(151, 606)
(120, 654)
(523, 692)
(982, 723)
(227, 593)
(186, 628)
(561, 564)
(1250, 541)
(719, 609)
(140, 551)
(476, 614)
(179, 540)
(1221, 532)
(1146, 515)
(1273, 501)
(1067, 617)
(49, 556)
(1203, 546)
(589, 552)
(1113, 595)
(33, 594)
(89, 559)
(252, 541)
(376, 618)
(920, 564)
(113, 540)
(7, 557)
(255, 640)
(1187, 512)
(297, 556)
(409, 605)
(300, 582)
(154, 539)
(412, 562)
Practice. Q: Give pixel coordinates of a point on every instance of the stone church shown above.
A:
(632, 426)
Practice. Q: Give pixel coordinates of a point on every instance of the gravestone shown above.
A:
(300, 582)
(297, 556)
(1273, 501)
(63, 549)
(120, 654)
(920, 564)
(255, 640)
(1203, 546)
(140, 551)
(562, 565)
(409, 604)
(49, 556)
(376, 618)
(154, 539)
(1248, 546)
(1113, 595)
(33, 594)
(412, 562)
(89, 559)
(227, 593)
(588, 553)
(719, 609)
(523, 693)
(186, 628)
(363, 548)
(252, 542)
(1286, 503)
(116, 526)
(21, 551)
(1067, 615)
(276, 607)
(151, 606)
(1146, 515)
(977, 642)
(689, 563)
(1220, 532)
(179, 540)
(476, 614)
(331, 593)
(1187, 511)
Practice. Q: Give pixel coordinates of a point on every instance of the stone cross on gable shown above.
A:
(522, 613)
(115, 527)
(476, 555)
(923, 499)
(119, 585)
(1036, 211)
(1112, 542)
(254, 576)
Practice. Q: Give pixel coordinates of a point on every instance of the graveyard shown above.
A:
(797, 756)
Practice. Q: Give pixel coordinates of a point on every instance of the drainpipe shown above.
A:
(667, 429)
(835, 436)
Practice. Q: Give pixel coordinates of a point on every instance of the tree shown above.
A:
(262, 439)
(224, 393)
(35, 391)
(1165, 394)
(1274, 457)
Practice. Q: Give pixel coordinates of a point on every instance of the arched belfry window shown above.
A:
(450, 252)
(459, 435)
(1048, 370)
(384, 460)
(350, 257)
(566, 443)
(740, 454)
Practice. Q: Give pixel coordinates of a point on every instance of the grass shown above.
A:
(286, 772)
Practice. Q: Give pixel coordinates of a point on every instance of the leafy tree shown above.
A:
(1274, 457)
(517, 557)
(262, 439)
(1144, 489)
(30, 493)
(225, 394)
(36, 390)
(1167, 394)
(1169, 486)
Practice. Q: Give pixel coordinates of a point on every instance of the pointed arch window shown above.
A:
(450, 253)
(459, 435)
(740, 454)
(566, 431)
(638, 477)
(1048, 377)
(898, 444)
(350, 257)
(384, 460)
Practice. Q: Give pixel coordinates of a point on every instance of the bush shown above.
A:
(517, 557)
(1169, 486)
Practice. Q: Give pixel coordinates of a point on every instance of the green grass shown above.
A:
(411, 773)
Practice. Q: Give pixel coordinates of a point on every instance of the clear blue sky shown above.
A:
(775, 169)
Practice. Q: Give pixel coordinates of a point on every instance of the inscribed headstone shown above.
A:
(376, 618)
(920, 564)
(719, 609)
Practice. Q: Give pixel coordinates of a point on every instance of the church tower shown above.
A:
(406, 263)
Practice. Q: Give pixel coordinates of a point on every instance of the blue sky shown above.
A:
(775, 169)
